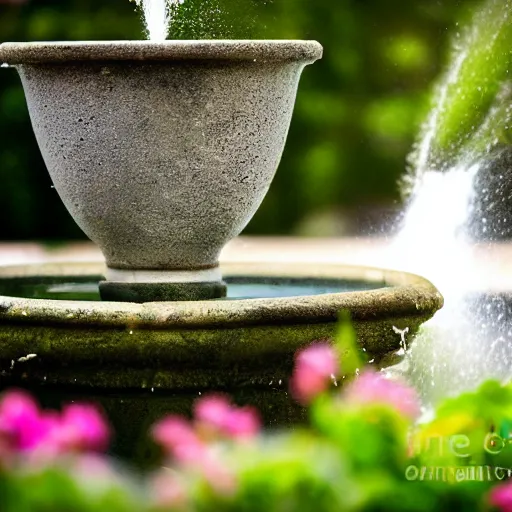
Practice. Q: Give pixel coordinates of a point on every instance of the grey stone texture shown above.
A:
(116, 291)
(162, 152)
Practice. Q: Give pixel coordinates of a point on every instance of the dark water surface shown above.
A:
(240, 287)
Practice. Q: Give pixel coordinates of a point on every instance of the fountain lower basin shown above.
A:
(249, 337)
(141, 361)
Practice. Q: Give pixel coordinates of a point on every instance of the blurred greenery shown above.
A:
(357, 113)
(473, 115)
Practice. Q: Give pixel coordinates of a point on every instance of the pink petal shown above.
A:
(218, 413)
(82, 428)
(213, 410)
(314, 368)
(21, 421)
(243, 422)
(320, 358)
(177, 437)
(372, 387)
(501, 497)
(173, 430)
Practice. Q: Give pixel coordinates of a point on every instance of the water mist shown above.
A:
(471, 339)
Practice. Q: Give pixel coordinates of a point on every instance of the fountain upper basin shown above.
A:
(161, 152)
(229, 49)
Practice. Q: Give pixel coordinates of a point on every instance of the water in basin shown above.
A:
(239, 287)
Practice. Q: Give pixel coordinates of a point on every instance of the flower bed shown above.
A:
(364, 450)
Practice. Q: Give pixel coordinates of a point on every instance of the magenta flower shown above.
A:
(501, 497)
(213, 411)
(21, 424)
(314, 370)
(24, 427)
(178, 438)
(243, 422)
(81, 428)
(371, 387)
(216, 412)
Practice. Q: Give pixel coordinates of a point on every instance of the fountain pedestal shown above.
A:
(162, 286)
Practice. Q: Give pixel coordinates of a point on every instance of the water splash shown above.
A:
(433, 236)
(471, 338)
(157, 17)
(433, 243)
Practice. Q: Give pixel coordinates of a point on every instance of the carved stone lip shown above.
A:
(179, 50)
(404, 296)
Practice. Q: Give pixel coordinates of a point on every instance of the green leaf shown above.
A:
(350, 356)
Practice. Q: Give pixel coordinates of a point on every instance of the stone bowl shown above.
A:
(141, 361)
(161, 152)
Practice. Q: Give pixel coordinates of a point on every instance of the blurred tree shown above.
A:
(357, 112)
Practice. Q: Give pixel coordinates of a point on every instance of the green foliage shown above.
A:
(474, 114)
(55, 489)
(476, 426)
(349, 353)
(355, 459)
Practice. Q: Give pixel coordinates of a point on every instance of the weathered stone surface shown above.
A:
(183, 345)
(162, 152)
(161, 292)
(48, 52)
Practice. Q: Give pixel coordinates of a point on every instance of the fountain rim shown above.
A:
(406, 295)
(272, 50)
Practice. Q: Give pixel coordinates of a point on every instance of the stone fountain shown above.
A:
(162, 153)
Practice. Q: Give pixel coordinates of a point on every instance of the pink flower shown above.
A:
(243, 422)
(501, 497)
(178, 438)
(371, 387)
(212, 410)
(81, 428)
(21, 423)
(314, 369)
(218, 413)
(24, 427)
